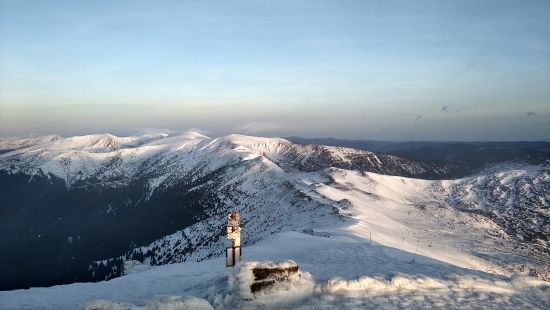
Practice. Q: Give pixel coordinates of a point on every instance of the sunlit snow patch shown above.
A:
(163, 303)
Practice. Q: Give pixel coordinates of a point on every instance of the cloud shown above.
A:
(255, 127)
(142, 131)
(531, 114)
(445, 108)
(419, 117)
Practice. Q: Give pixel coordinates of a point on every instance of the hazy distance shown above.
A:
(386, 70)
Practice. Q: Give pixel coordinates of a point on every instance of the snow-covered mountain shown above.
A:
(97, 203)
(58, 191)
(104, 158)
(503, 230)
(9, 144)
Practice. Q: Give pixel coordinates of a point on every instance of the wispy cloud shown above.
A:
(531, 114)
(150, 131)
(448, 109)
(255, 127)
(419, 117)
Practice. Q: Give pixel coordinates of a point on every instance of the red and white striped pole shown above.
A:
(234, 234)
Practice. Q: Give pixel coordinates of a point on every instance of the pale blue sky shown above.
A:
(399, 70)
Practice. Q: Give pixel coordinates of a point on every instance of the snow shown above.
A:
(342, 271)
(107, 158)
(162, 303)
(17, 143)
(361, 239)
(428, 259)
(297, 287)
(382, 205)
(154, 183)
(411, 215)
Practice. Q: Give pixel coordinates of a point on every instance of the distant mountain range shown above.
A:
(470, 155)
(77, 209)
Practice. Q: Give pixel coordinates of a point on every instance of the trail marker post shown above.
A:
(233, 253)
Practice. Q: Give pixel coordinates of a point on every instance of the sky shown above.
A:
(382, 70)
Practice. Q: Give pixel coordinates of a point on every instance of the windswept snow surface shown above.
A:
(340, 271)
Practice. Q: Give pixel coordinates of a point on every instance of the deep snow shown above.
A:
(346, 272)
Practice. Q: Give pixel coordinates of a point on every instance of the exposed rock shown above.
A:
(267, 276)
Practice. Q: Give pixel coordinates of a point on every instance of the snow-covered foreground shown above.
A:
(346, 272)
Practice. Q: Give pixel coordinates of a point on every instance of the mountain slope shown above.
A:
(419, 216)
(367, 240)
(66, 202)
(86, 206)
